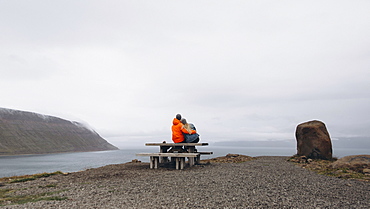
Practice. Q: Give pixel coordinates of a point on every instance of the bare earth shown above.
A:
(267, 182)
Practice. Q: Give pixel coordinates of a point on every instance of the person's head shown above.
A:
(178, 117)
(183, 121)
(186, 125)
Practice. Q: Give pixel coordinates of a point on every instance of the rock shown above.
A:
(229, 158)
(313, 140)
(302, 159)
(338, 172)
(358, 163)
(345, 176)
(366, 171)
(232, 155)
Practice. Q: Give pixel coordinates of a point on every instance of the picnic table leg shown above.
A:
(182, 163)
(177, 160)
(191, 161)
(198, 159)
(191, 149)
(154, 162)
(151, 162)
(173, 158)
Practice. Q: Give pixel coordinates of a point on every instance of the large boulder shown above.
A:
(313, 140)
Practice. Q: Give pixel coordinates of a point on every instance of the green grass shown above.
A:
(324, 167)
(344, 173)
(16, 179)
(7, 197)
(3, 192)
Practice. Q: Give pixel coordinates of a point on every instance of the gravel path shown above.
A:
(268, 182)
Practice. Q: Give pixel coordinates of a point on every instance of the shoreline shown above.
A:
(264, 182)
(51, 153)
(88, 167)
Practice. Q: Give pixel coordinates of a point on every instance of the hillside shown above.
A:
(31, 133)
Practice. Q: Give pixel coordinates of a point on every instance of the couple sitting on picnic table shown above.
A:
(183, 132)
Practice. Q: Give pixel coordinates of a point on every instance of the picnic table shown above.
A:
(179, 157)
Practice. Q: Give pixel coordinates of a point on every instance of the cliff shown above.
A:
(31, 133)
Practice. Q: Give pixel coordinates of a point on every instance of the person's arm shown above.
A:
(187, 132)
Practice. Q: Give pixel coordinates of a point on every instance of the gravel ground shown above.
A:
(268, 182)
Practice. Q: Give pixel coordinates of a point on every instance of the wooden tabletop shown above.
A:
(176, 144)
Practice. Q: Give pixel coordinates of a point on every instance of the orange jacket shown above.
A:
(177, 131)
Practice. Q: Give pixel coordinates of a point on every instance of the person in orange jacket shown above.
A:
(178, 130)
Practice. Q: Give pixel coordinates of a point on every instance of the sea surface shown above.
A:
(72, 162)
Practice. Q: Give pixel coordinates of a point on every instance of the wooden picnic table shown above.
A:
(192, 154)
(179, 158)
(190, 147)
(163, 147)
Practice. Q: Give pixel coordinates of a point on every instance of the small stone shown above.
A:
(232, 155)
(366, 171)
(338, 172)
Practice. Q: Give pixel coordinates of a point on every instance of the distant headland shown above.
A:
(24, 133)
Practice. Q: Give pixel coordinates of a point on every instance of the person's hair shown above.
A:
(186, 125)
(178, 117)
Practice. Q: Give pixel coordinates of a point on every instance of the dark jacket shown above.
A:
(190, 138)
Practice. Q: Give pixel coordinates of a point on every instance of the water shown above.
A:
(72, 162)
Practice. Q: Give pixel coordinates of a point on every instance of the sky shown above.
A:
(240, 70)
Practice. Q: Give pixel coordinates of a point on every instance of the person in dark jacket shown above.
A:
(192, 136)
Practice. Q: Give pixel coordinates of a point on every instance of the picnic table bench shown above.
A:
(179, 157)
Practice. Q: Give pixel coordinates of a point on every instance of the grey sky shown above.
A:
(239, 70)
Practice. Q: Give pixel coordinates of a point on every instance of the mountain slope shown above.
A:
(30, 133)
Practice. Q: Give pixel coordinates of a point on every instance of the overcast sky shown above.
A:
(239, 70)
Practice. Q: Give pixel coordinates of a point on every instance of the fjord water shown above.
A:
(72, 162)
